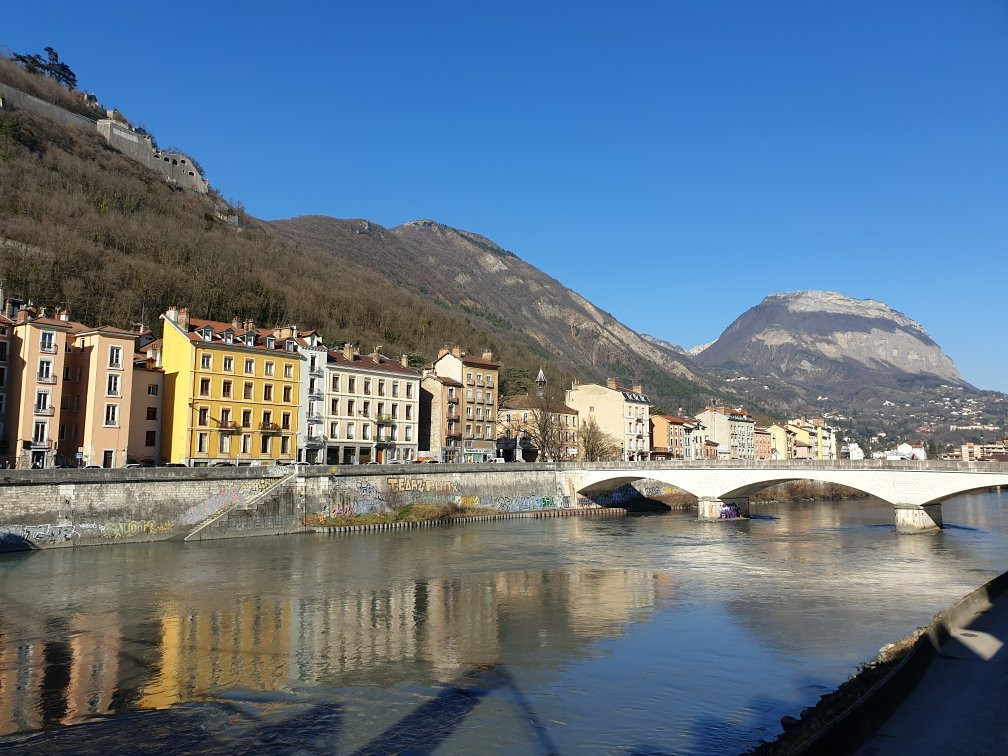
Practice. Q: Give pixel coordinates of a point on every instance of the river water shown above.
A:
(645, 633)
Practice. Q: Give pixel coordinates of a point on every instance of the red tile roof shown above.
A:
(479, 362)
(366, 362)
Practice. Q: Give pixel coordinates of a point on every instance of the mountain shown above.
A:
(826, 340)
(471, 274)
(663, 343)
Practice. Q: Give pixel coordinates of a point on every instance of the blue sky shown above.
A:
(674, 162)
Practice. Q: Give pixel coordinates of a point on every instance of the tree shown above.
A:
(50, 66)
(596, 444)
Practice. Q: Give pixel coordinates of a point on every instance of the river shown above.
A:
(645, 633)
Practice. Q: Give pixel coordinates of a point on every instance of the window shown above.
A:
(469, 395)
(45, 370)
(246, 445)
(350, 407)
(202, 442)
(152, 389)
(115, 357)
(288, 370)
(366, 409)
(226, 389)
(80, 374)
(249, 367)
(229, 364)
(271, 342)
(285, 445)
(381, 388)
(152, 413)
(225, 415)
(247, 391)
(350, 429)
(77, 403)
(41, 432)
(224, 444)
(409, 390)
(62, 432)
(150, 438)
(334, 406)
(469, 411)
(267, 418)
(112, 387)
(206, 361)
(66, 373)
(367, 387)
(409, 411)
(395, 389)
(228, 337)
(287, 394)
(365, 432)
(352, 385)
(48, 343)
(204, 387)
(268, 392)
(203, 416)
(64, 402)
(469, 378)
(285, 419)
(246, 418)
(409, 432)
(264, 445)
(41, 401)
(395, 411)
(112, 415)
(469, 431)
(335, 383)
(333, 430)
(489, 397)
(269, 368)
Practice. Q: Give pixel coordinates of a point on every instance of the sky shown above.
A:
(674, 162)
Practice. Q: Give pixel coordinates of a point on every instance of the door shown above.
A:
(108, 458)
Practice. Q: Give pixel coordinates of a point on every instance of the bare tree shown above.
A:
(596, 444)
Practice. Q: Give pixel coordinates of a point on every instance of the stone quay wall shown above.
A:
(60, 508)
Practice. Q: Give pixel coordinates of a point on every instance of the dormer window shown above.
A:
(289, 346)
(270, 342)
(207, 334)
(250, 338)
(228, 337)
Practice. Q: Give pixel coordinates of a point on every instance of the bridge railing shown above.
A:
(793, 464)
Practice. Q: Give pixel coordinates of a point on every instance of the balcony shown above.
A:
(316, 394)
(453, 400)
(384, 420)
(41, 443)
(269, 427)
(315, 441)
(49, 378)
(228, 426)
(316, 372)
(45, 411)
(315, 418)
(47, 348)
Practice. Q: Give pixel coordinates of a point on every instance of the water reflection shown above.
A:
(656, 620)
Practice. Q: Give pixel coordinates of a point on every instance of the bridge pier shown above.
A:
(722, 509)
(914, 518)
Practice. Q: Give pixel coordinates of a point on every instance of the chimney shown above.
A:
(457, 351)
(611, 383)
(488, 356)
(171, 314)
(442, 352)
(404, 360)
(250, 325)
(348, 351)
(637, 388)
(236, 323)
(183, 319)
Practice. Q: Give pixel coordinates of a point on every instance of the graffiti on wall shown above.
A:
(222, 500)
(48, 534)
(418, 484)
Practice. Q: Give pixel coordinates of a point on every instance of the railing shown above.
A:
(316, 394)
(453, 400)
(384, 420)
(41, 443)
(269, 427)
(45, 411)
(47, 348)
(316, 372)
(50, 378)
(227, 426)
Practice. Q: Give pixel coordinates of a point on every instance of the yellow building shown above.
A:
(782, 441)
(230, 392)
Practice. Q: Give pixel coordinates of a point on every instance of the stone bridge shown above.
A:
(916, 489)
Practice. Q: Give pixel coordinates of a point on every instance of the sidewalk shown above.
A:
(960, 705)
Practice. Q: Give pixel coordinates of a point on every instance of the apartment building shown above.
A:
(674, 437)
(817, 435)
(440, 432)
(34, 385)
(782, 441)
(531, 429)
(6, 330)
(696, 439)
(231, 392)
(146, 406)
(622, 413)
(732, 429)
(762, 446)
(96, 395)
(312, 440)
(478, 402)
(371, 408)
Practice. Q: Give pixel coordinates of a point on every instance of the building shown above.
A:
(732, 429)
(852, 451)
(622, 413)
(672, 437)
(231, 392)
(710, 449)
(6, 330)
(145, 406)
(533, 429)
(372, 408)
(696, 439)
(782, 441)
(311, 439)
(819, 436)
(440, 431)
(34, 386)
(762, 446)
(479, 379)
(96, 395)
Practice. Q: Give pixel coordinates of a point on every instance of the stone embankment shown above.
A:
(61, 508)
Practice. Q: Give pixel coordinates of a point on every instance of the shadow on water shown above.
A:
(645, 506)
(240, 727)
(765, 517)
